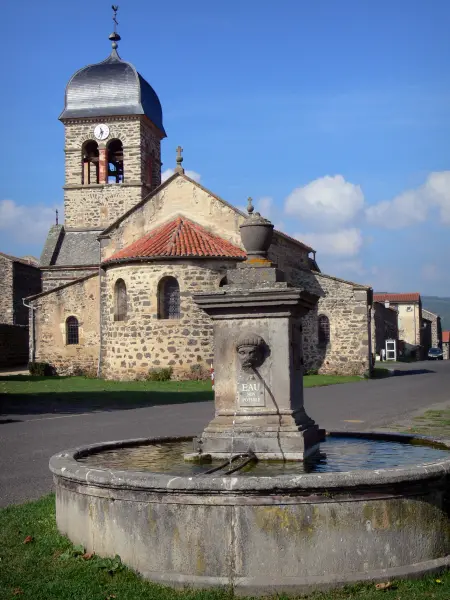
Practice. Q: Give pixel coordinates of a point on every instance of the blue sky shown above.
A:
(334, 116)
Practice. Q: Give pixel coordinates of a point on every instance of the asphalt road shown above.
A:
(28, 440)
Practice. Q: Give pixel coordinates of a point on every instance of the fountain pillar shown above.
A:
(258, 359)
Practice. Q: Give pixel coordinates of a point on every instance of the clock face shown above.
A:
(101, 132)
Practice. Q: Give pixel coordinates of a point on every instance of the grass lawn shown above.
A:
(435, 423)
(22, 393)
(36, 563)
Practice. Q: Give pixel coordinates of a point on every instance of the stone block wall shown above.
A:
(13, 345)
(6, 291)
(143, 341)
(81, 300)
(98, 205)
(436, 327)
(53, 278)
(27, 282)
(346, 306)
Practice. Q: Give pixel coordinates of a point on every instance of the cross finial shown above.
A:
(179, 167)
(115, 37)
(56, 211)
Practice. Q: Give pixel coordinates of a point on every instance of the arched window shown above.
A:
(72, 331)
(120, 300)
(90, 172)
(223, 281)
(168, 299)
(324, 329)
(115, 161)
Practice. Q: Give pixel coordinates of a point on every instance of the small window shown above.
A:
(324, 329)
(72, 327)
(115, 161)
(120, 300)
(223, 281)
(168, 299)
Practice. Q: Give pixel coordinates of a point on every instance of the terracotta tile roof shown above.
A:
(413, 297)
(179, 238)
(446, 337)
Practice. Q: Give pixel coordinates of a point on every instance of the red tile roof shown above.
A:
(179, 238)
(413, 297)
(446, 336)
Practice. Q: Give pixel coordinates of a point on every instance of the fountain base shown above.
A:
(273, 444)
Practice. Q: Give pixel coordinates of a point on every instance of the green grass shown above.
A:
(66, 394)
(321, 380)
(50, 568)
(435, 423)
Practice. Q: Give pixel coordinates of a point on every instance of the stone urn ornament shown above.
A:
(256, 233)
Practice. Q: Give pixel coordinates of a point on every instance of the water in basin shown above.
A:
(336, 454)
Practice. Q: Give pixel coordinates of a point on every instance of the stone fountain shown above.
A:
(205, 515)
(258, 358)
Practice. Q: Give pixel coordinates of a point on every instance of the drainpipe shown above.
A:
(369, 327)
(32, 342)
(100, 320)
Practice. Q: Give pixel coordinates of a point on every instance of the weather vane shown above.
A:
(115, 8)
(115, 37)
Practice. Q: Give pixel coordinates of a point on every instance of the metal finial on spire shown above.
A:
(115, 37)
(179, 167)
(56, 211)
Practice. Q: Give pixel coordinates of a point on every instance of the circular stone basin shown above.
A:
(275, 527)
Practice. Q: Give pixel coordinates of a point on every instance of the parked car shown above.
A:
(435, 354)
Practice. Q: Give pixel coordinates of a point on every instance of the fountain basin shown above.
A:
(260, 535)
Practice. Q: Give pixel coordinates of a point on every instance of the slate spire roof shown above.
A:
(179, 238)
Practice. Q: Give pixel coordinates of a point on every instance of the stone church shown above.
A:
(118, 276)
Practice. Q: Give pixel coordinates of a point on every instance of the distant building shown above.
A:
(431, 330)
(19, 277)
(409, 312)
(384, 325)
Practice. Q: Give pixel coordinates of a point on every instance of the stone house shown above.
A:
(119, 275)
(384, 325)
(431, 331)
(446, 344)
(409, 311)
(19, 278)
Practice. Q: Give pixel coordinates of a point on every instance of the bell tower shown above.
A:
(113, 131)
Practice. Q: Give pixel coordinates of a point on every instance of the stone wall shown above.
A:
(98, 205)
(143, 341)
(55, 277)
(384, 326)
(436, 327)
(27, 282)
(409, 322)
(6, 291)
(346, 306)
(81, 300)
(446, 350)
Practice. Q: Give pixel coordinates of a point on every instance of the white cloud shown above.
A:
(169, 172)
(23, 226)
(344, 242)
(328, 202)
(413, 206)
